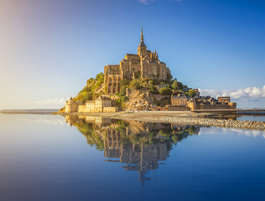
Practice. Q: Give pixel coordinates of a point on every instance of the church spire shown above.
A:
(142, 48)
(142, 34)
(142, 38)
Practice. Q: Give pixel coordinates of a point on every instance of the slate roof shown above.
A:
(180, 97)
(132, 54)
(142, 44)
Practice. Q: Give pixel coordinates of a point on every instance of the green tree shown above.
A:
(169, 76)
(191, 92)
(136, 84)
(90, 80)
(124, 99)
(155, 82)
(185, 87)
(124, 82)
(153, 90)
(151, 82)
(191, 130)
(165, 91)
(99, 76)
(86, 96)
(175, 85)
(180, 85)
(138, 75)
(175, 138)
(123, 90)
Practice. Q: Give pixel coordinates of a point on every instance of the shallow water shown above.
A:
(44, 158)
(252, 118)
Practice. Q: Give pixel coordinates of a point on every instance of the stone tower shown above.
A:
(142, 49)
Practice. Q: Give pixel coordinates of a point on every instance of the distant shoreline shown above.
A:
(29, 111)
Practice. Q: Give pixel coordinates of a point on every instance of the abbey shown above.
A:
(144, 64)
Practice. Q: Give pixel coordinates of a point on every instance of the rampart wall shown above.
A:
(178, 108)
(110, 109)
(214, 107)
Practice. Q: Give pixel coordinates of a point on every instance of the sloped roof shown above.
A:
(142, 44)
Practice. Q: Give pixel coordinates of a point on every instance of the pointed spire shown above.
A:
(142, 39)
(142, 33)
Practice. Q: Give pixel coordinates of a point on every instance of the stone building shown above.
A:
(209, 103)
(71, 106)
(101, 104)
(160, 86)
(202, 103)
(144, 64)
(223, 99)
(179, 100)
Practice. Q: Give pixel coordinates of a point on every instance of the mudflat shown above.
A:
(150, 116)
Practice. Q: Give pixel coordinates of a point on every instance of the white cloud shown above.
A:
(46, 119)
(55, 77)
(216, 130)
(146, 1)
(250, 93)
(48, 102)
(51, 121)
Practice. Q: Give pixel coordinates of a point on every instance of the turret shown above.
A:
(71, 100)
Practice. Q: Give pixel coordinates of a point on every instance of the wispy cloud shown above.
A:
(39, 119)
(247, 94)
(146, 2)
(218, 131)
(55, 77)
(55, 101)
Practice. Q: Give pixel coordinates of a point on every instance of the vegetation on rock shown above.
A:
(95, 87)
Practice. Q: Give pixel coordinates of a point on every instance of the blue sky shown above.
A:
(50, 48)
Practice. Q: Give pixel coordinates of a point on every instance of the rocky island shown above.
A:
(140, 82)
(142, 88)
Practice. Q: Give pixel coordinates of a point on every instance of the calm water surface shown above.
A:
(43, 157)
(252, 118)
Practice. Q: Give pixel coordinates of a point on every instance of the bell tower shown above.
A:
(142, 49)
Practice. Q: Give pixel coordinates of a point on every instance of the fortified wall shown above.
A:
(101, 104)
(229, 105)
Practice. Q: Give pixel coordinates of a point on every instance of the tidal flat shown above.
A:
(181, 117)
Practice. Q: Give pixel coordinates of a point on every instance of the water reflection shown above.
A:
(139, 145)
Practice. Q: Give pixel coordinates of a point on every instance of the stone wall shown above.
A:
(158, 97)
(178, 108)
(110, 109)
(72, 106)
(192, 105)
(214, 107)
(81, 108)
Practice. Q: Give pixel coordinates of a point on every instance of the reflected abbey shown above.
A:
(140, 145)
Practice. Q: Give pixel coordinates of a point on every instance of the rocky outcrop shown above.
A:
(143, 101)
(257, 125)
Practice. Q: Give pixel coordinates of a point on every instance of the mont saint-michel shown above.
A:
(144, 64)
(140, 82)
(132, 100)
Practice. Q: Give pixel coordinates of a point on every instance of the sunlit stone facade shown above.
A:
(144, 64)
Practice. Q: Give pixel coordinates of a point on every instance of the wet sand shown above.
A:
(150, 116)
(179, 117)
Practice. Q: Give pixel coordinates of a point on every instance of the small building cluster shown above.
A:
(200, 102)
(101, 104)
